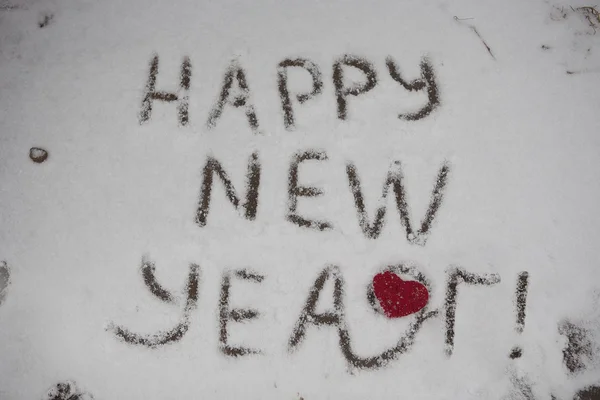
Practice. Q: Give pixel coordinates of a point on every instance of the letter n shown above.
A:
(214, 167)
(181, 96)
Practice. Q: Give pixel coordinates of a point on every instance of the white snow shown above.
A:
(520, 133)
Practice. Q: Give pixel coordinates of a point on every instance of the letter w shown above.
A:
(394, 179)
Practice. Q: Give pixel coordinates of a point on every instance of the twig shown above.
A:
(592, 10)
(588, 12)
(584, 71)
(478, 35)
(483, 41)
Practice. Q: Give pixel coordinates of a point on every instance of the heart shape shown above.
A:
(399, 298)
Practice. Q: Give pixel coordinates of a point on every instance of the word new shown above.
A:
(296, 190)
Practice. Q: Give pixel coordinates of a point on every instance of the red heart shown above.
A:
(399, 298)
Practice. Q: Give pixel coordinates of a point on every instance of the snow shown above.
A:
(519, 132)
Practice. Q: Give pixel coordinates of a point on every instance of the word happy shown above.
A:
(235, 89)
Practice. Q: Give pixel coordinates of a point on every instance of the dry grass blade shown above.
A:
(487, 47)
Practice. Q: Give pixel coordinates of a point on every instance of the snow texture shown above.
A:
(195, 197)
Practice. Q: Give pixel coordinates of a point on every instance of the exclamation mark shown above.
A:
(520, 303)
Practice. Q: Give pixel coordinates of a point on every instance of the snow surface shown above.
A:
(521, 135)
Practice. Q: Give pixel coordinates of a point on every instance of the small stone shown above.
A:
(516, 352)
(67, 390)
(38, 155)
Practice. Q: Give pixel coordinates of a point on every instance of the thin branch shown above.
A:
(483, 41)
(583, 71)
(488, 48)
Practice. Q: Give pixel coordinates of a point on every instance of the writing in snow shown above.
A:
(235, 89)
(235, 78)
(333, 318)
(397, 291)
